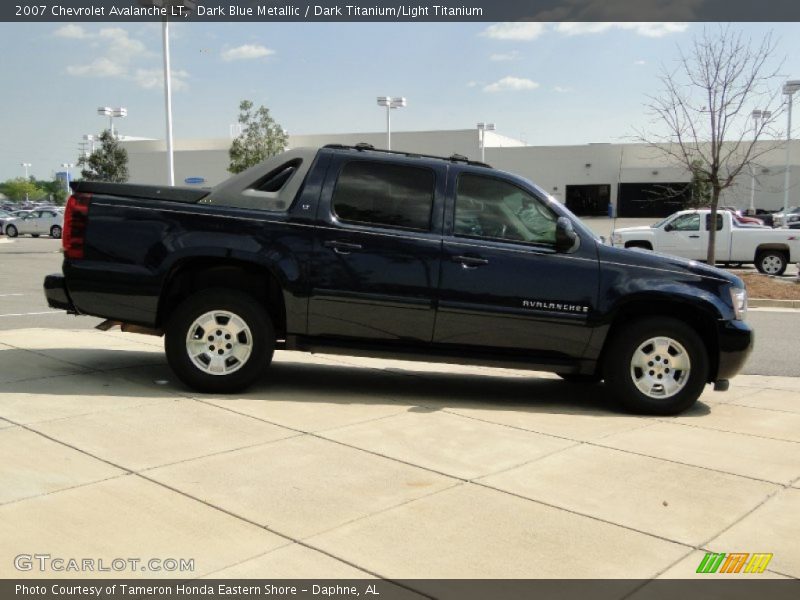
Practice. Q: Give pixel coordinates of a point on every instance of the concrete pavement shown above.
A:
(342, 467)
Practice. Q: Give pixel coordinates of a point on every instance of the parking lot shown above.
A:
(342, 467)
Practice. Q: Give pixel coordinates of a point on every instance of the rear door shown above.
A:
(504, 286)
(377, 252)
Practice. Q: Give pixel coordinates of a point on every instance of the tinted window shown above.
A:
(494, 209)
(719, 222)
(384, 194)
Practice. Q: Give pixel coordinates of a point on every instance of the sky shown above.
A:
(545, 83)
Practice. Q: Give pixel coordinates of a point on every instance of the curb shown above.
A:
(770, 303)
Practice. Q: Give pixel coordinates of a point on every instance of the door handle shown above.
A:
(694, 236)
(341, 247)
(470, 262)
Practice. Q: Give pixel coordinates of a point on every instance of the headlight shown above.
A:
(739, 300)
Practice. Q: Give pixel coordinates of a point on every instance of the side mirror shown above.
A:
(668, 227)
(566, 238)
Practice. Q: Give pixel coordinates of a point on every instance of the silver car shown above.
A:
(35, 223)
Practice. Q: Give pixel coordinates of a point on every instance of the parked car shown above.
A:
(35, 223)
(4, 215)
(685, 233)
(352, 250)
(785, 217)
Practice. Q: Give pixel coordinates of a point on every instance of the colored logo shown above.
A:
(194, 180)
(734, 562)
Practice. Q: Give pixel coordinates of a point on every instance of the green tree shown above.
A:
(55, 189)
(108, 163)
(22, 189)
(261, 137)
(700, 186)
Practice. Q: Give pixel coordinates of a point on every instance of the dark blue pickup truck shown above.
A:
(352, 250)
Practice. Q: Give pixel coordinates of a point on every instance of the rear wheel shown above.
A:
(656, 366)
(11, 231)
(771, 262)
(55, 232)
(219, 341)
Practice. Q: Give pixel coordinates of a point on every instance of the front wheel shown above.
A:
(55, 232)
(11, 231)
(771, 262)
(219, 341)
(656, 366)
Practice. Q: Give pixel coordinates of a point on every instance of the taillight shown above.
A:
(75, 219)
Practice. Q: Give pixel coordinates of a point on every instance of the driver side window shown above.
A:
(489, 208)
(686, 223)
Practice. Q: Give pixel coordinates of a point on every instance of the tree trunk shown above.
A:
(712, 226)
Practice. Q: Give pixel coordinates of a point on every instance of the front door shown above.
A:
(683, 237)
(377, 256)
(504, 286)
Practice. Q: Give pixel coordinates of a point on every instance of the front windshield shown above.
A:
(661, 222)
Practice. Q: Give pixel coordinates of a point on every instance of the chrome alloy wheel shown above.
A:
(771, 264)
(219, 342)
(660, 367)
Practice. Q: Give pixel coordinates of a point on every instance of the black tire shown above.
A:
(619, 372)
(260, 341)
(578, 378)
(11, 231)
(55, 232)
(771, 262)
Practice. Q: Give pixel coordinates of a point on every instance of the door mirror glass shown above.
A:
(668, 227)
(566, 238)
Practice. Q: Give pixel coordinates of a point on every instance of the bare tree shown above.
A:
(705, 110)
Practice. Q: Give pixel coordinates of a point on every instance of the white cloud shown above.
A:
(246, 52)
(120, 45)
(514, 31)
(646, 29)
(71, 32)
(561, 89)
(99, 67)
(640, 62)
(473, 84)
(154, 79)
(511, 84)
(505, 56)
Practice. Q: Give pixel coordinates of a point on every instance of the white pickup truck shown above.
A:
(685, 234)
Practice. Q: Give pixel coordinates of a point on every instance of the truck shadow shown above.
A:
(121, 373)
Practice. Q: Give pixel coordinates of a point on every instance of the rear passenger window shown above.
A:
(277, 179)
(384, 194)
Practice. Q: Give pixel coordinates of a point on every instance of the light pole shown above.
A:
(26, 166)
(763, 116)
(67, 166)
(789, 88)
(482, 129)
(187, 7)
(91, 139)
(390, 103)
(112, 113)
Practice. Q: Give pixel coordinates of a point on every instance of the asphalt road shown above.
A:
(25, 261)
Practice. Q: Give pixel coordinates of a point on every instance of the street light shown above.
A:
(763, 116)
(390, 103)
(67, 166)
(26, 166)
(188, 7)
(482, 129)
(91, 139)
(112, 113)
(789, 88)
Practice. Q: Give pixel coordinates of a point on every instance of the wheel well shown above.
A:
(782, 248)
(199, 274)
(639, 244)
(703, 322)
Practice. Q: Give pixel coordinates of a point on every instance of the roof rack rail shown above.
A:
(456, 158)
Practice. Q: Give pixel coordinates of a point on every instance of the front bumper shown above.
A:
(735, 344)
(55, 290)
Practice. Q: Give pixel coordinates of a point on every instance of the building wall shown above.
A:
(551, 167)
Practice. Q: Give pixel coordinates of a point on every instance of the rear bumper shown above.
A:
(735, 345)
(55, 290)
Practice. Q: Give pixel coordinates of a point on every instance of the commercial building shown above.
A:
(634, 180)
